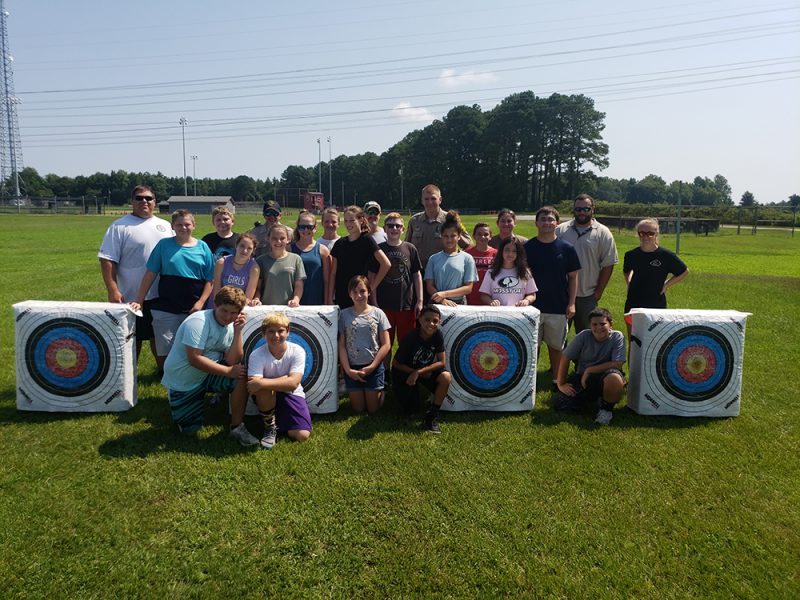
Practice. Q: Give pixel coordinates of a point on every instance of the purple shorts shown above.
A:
(291, 412)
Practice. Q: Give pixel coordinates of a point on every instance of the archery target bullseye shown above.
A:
(686, 363)
(75, 356)
(491, 354)
(486, 359)
(314, 328)
(70, 357)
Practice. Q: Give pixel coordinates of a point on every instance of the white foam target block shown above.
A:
(491, 354)
(686, 362)
(75, 356)
(315, 328)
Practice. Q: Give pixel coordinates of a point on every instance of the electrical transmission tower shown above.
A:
(10, 143)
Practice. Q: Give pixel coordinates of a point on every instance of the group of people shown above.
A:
(387, 282)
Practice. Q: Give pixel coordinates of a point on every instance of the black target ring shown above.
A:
(488, 360)
(67, 357)
(695, 363)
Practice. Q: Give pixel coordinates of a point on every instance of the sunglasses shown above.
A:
(272, 213)
(305, 227)
(647, 234)
(582, 209)
(144, 198)
(394, 225)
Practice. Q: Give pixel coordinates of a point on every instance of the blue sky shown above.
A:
(688, 88)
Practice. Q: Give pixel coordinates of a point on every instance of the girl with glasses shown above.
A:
(646, 269)
(315, 257)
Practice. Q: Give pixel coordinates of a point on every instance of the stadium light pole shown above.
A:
(330, 170)
(194, 172)
(400, 172)
(183, 122)
(319, 164)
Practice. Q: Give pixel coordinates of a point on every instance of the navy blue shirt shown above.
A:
(549, 263)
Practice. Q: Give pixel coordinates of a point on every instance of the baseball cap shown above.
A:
(372, 208)
(271, 206)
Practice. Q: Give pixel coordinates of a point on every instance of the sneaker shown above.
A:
(244, 437)
(270, 435)
(432, 426)
(603, 417)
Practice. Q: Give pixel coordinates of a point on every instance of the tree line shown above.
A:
(525, 152)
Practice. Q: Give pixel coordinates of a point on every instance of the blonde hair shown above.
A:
(648, 221)
(274, 319)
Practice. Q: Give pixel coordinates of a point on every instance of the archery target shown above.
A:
(315, 329)
(75, 356)
(491, 355)
(686, 363)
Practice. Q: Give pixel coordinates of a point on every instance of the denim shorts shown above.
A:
(372, 382)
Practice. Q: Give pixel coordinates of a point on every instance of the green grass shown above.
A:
(534, 504)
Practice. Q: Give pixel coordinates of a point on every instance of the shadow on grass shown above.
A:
(158, 440)
(624, 418)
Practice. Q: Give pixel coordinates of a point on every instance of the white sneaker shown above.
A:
(244, 437)
(270, 437)
(603, 417)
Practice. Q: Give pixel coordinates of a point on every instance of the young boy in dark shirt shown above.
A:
(419, 361)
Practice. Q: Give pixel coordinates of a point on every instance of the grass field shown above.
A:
(534, 504)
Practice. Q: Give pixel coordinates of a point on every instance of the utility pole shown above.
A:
(319, 164)
(330, 170)
(183, 122)
(194, 172)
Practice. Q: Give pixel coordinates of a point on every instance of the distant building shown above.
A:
(199, 205)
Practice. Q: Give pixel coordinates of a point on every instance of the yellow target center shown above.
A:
(66, 358)
(696, 364)
(489, 361)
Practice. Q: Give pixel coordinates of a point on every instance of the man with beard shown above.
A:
(597, 253)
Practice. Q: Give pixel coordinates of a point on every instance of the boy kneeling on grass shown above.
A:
(205, 357)
(419, 361)
(600, 354)
(274, 373)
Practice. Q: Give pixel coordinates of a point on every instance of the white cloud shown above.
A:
(451, 79)
(404, 110)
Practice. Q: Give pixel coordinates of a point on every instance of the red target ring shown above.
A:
(696, 364)
(488, 360)
(66, 358)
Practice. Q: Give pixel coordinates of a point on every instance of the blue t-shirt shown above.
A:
(450, 271)
(549, 263)
(202, 331)
(193, 262)
(184, 271)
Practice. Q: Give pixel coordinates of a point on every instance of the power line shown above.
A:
(294, 72)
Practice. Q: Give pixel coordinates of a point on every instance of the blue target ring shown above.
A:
(695, 363)
(302, 337)
(67, 357)
(487, 359)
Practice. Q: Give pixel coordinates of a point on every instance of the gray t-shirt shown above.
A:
(279, 277)
(588, 351)
(362, 334)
